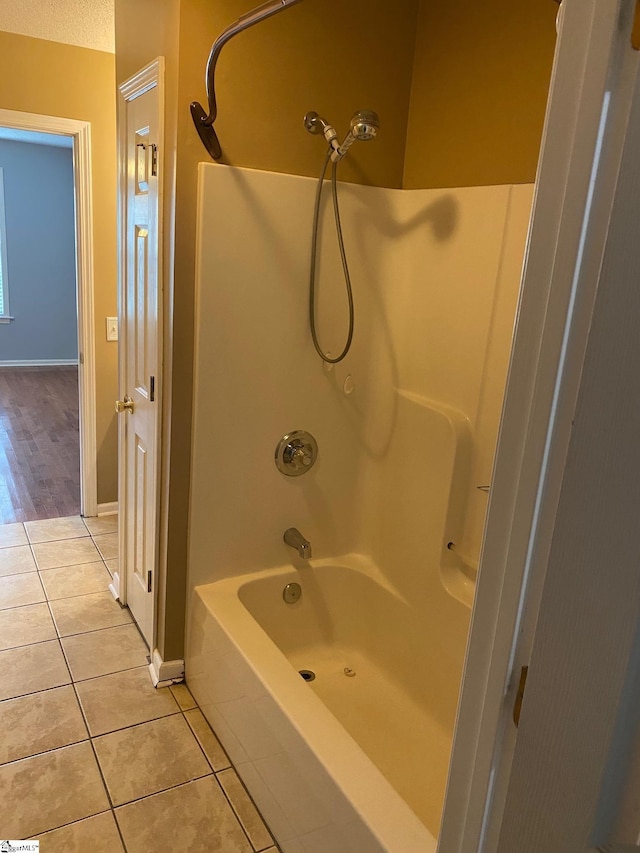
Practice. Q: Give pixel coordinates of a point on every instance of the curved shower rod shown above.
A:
(202, 121)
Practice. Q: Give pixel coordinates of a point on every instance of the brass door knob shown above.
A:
(125, 405)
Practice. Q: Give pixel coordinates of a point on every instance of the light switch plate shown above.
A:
(112, 328)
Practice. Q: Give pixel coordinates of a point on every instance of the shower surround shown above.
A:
(406, 427)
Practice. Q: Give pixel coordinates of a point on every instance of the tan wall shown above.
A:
(480, 84)
(324, 55)
(50, 78)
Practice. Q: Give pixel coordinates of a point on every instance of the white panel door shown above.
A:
(572, 757)
(140, 353)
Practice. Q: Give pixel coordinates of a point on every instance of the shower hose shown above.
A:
(314, 248)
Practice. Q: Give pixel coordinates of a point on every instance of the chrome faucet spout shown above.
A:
(295, 539)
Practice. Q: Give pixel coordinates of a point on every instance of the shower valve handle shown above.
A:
(300, 455)
(296, 452)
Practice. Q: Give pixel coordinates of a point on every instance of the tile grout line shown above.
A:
(115, 820)
(214, 772)
(44, 751)
(55, 627)
(235, 811)
(231, 766)
(137, 725)
(71, 822)
(64, 657)
(80, 820)
(99, 559)
(67, 597)
(95, 756)
(33, 693)
(162, 791)
(84, 716)
(47, 602)
(105, 786)
(194, 736)
(115, 672)
(91, 630)
(19, 606)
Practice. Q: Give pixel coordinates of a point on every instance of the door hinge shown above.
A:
(517, 708)
(635, 32)
(154, 161)
(149, 581)
(152, 388)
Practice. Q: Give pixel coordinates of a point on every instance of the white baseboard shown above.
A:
(108, 509)
(164, 673)
(40, 362)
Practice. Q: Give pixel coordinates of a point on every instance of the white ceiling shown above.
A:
(85, 23)
(58, 140)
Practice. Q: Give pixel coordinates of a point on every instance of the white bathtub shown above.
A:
(345, 763)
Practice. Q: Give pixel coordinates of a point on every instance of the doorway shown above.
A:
(69, 141)
(39, 397)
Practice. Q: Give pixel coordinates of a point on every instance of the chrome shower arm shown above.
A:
(204, 122)
(261, 13)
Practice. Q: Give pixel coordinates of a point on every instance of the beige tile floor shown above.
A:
(91, 755)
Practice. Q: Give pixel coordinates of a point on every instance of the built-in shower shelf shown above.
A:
(468, 564)
(458, 573)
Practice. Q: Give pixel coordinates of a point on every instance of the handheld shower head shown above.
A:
(364, 126)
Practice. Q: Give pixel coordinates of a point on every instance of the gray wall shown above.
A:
(40, 220)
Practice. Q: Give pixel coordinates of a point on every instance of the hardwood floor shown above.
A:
(39, 443)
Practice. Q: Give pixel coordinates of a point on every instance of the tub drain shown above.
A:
(307, 674)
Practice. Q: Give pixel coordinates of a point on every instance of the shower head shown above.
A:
(364, 126)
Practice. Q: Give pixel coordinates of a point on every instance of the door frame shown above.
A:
(586, 121)
(80, 132)
(152, 75)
